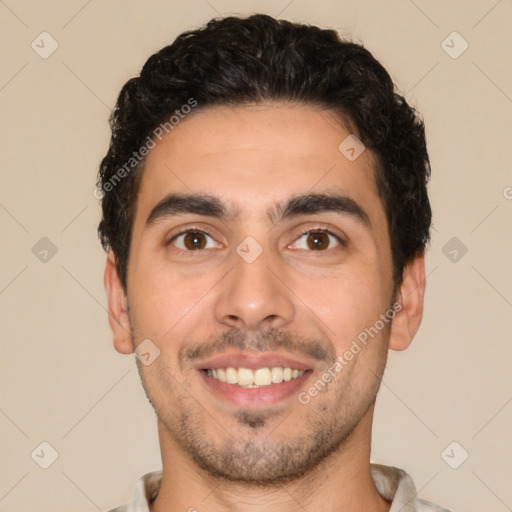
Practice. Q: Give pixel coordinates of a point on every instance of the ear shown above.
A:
(118, 316)
(410, 295)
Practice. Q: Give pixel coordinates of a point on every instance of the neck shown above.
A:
(341, 482)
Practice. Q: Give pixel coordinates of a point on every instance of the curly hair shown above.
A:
(237, 61)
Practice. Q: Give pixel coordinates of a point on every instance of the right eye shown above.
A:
(194, 240)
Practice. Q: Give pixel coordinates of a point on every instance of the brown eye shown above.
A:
(318, 241)
(194, 241)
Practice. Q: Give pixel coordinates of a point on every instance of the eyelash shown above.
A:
(184, 231)
(191, 229)
(341, 241)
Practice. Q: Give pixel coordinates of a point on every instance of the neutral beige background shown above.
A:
(63, 383)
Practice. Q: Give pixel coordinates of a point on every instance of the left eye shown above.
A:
(193, 241)
(316, 241)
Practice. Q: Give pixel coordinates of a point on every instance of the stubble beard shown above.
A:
(254, 459)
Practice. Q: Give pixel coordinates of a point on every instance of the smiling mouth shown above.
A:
(254, 378)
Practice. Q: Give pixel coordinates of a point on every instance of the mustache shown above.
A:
(269, 340)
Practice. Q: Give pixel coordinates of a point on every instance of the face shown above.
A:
(259, 254)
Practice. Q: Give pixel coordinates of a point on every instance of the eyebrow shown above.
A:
(318, 203)
(211, 206)
(179, 204)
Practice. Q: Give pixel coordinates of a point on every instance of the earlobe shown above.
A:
(410, 295)
(118, 316)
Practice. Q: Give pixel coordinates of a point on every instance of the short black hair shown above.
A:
(239, 61)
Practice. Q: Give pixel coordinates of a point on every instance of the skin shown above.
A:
(218, 456)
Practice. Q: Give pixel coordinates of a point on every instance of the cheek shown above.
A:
(347, 303)
(163, 299)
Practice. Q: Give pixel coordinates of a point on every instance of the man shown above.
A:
(265, 214)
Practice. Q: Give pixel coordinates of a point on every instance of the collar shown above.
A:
(393, 484)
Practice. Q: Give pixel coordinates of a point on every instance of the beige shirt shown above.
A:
(393, 485)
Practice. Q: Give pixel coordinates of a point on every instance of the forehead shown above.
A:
(254, 157)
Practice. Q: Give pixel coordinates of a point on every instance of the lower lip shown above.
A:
(254, 397)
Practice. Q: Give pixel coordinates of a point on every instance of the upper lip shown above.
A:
(252, 360)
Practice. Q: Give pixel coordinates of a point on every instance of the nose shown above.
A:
(255, 296)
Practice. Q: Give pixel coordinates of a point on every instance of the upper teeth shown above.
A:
(246, 377)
